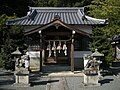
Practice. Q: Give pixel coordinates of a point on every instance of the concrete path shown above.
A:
(57, 84)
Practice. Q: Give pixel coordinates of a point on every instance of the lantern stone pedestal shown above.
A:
(91, 77)
(22, 78)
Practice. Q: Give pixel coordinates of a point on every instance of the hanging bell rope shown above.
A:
(54, 46)
(50, 52)
(59, 47)
(49, 46)
(65, 48)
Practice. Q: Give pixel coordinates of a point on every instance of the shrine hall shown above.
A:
(57, 35)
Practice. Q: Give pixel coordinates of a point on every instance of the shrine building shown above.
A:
(57, 35)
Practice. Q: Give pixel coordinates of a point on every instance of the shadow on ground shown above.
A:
(115, 69)
(104, 81)
(6, 73)
(6, 82)
(6, 89)
(34, 83)
(6, 78)
(35, 79)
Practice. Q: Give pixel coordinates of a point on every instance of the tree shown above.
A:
(61, 3)
(19, 7)
(101, 42)
(105, 9)
(11, 37)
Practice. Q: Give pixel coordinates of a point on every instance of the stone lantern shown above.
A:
(17, 54)
(91, 70)
(21, 71)
(98, 57)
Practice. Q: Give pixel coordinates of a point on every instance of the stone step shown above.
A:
(55, 68)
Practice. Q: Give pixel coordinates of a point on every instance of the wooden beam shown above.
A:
(58, 33)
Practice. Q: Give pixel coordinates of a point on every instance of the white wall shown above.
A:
(29, 28)
(33, 54)
(84, 28)
(78, 58)
(34, 60)
(80, 54)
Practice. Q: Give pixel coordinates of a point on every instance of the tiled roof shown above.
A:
(44, 15)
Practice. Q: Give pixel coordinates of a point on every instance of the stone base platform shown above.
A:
(21, 85)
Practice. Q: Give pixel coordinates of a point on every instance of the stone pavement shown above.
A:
(53, 81)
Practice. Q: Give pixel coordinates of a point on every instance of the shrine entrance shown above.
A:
(56, 41)
(56, 49)
(57, 45)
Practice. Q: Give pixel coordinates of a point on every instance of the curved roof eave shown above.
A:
(44, 15)
(101, 21)
(53, 23)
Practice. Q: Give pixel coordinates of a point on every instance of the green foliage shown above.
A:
(1, 60)
(110, 10)
(61, 3)
(102, 43)
(11, 37)
(20, 7)
(105, 9)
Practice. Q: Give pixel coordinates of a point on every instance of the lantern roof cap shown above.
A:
(96, 53)
(17, 52)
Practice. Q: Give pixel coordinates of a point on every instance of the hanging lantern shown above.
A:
(54, 46)
(49, 46)
(59, 46)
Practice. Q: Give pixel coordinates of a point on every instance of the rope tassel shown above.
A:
(65, 49)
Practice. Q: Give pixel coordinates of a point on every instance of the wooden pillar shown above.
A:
(40, 51)
(43, 56)
(72, 52)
